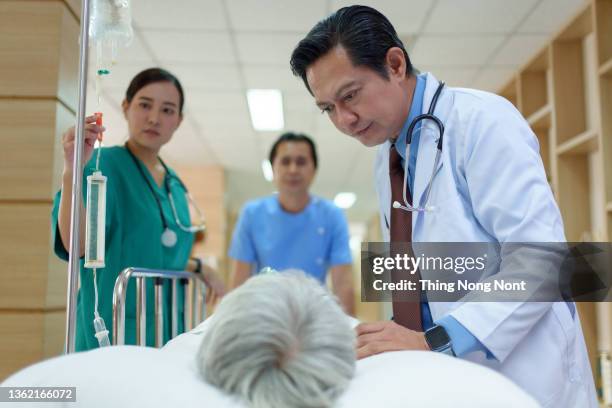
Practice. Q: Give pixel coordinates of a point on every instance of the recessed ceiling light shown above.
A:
(266, 109)
(345, 200)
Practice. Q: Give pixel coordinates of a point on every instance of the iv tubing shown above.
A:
(99, 123)
(95, 292)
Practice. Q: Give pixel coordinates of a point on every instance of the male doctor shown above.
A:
(488, 186)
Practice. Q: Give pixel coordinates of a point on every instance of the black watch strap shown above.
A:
(198, 268)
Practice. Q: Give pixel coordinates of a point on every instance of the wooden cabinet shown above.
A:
(565, 94)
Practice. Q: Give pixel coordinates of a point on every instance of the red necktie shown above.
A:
(405, 313)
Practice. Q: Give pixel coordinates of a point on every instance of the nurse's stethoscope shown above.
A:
(168, 236)
(430, 116)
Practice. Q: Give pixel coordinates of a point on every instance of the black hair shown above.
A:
(365, 34)
(152, 75)
(293, 137)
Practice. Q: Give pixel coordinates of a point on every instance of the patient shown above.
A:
(279, 340)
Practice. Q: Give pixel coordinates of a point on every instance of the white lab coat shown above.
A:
(490, 186)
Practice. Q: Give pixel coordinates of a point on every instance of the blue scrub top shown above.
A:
(312, 240)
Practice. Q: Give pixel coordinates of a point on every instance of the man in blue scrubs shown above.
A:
(294, 229)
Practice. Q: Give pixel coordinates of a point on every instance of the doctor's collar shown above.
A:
(400, 141)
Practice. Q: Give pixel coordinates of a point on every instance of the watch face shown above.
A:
(437, 337)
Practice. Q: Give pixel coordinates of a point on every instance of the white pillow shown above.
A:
(122, 376)
(426, 379)
(130, 376)
(405, 378)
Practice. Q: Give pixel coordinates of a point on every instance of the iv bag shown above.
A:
(110, 27)
(95, 221)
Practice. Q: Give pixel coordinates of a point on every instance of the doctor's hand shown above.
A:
(379, 337)
(91, 134)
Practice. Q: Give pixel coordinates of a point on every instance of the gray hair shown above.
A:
(280, 340)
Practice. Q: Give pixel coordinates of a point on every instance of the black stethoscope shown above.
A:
(168, 236)
(429, 115)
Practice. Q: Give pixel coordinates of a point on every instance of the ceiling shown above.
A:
(220, 48)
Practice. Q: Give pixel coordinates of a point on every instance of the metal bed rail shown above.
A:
(194, 302)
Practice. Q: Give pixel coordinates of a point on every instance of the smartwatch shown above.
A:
(198, 268)
(438, 340)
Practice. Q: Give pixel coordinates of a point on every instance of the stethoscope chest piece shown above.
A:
(168, 238)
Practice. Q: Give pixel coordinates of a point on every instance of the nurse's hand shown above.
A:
(91, 134)
(379, 337)
(215, 289)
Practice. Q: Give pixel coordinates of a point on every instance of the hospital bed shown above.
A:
(131, 376)
(195, 305)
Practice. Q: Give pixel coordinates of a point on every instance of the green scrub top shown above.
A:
(133, 239)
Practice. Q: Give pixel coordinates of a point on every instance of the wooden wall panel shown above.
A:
(28, 338)
(38, 61)
(54, 324)
(57, 272)
(56, 281)
(21, 341)
(24, 251)
(75, 7)
(29, 130)
(67, 81)
(29, 57)
(207, 185)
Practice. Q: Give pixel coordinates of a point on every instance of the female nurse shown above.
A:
(142, 229)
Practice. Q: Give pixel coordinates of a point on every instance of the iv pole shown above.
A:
(77, 186)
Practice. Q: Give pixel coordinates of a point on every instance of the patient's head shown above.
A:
(279, 340)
